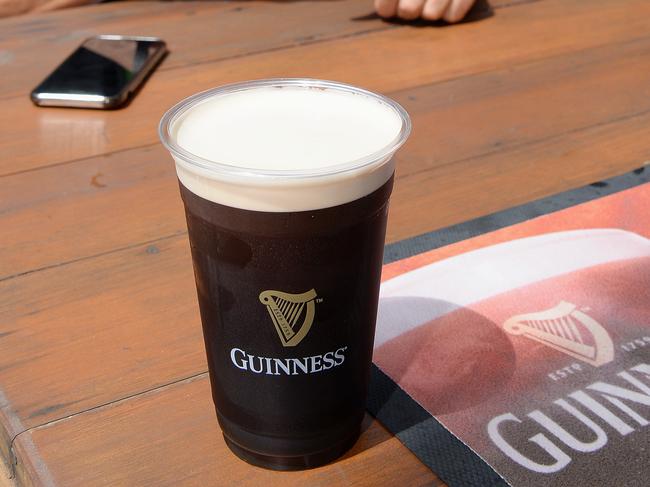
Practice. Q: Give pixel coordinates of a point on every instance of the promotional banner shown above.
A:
(530, 344)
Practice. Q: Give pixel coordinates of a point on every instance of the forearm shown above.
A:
(17, 7)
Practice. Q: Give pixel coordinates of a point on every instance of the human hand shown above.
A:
(449, 10)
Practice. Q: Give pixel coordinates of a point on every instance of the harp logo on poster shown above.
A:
(567, 329)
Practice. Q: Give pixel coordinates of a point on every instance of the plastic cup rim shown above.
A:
(220, 170)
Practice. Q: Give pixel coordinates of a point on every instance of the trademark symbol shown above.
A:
(319, 300)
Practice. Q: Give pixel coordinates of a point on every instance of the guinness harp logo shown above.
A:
(292, 314)
(567, 329)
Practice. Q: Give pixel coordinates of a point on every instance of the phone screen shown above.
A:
(101, 66)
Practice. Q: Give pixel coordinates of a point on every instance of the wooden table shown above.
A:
(102, 369)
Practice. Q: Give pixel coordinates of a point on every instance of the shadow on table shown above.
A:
(448, 357)
(480, 10)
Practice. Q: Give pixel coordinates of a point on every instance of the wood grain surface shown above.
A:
(98, 189)
(177, 423)
(219, 31)
(102, 367)
(376, 60)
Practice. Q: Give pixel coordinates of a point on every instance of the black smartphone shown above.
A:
(102, 73)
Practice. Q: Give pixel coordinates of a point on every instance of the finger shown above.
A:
(386, 8)
(457, 10)
(409, 9)
(434, 9)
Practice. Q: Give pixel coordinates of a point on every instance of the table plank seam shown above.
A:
(507, 68)
(79, 159)
(100, 254)
(289, 46)
(515, 147)
(25, 435)
(514, 3)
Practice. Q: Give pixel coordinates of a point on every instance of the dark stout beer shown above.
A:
(288, 281)
(292, 402)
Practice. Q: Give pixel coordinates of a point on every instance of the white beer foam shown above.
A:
(292, 130)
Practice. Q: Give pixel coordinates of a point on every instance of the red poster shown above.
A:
(531, 344)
